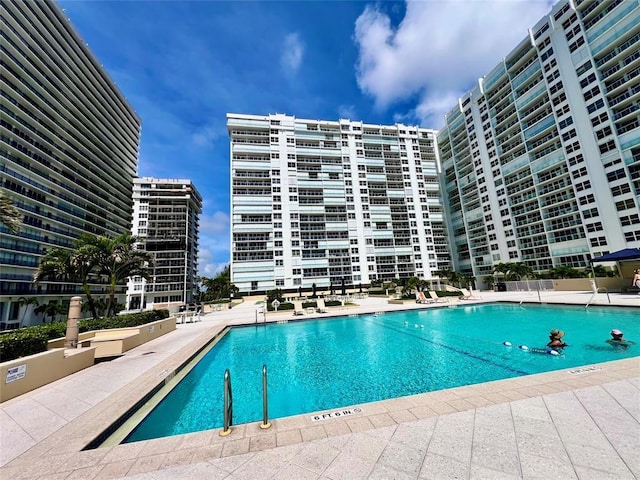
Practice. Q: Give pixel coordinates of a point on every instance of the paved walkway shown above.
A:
(582, 423)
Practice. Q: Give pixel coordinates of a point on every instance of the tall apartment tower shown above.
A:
(541, 159)
(68, 149)
(332, 202)
(166, 219)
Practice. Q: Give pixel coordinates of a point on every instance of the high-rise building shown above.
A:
(328, 203)
(541, 160)
(68, 148)
(166, 221)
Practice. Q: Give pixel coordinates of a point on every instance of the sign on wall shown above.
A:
(16, 373)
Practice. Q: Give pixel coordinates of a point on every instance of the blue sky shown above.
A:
(184, 64)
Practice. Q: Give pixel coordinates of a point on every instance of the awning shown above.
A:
(626, 254)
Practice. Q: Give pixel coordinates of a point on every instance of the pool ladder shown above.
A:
(596, 291)
(228, 403)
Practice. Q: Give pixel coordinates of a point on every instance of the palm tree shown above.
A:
(71, 266)
(50, 309)
(9, 214)
(502, 269)
(25, 302)
(564, 271)
(520, 270)
(451, 275)
(85, 260)
(55, 265)
(220, 286)
(412, 283)
(489, 281)
(117, 259)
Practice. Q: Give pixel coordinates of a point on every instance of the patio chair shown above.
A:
(297, 307)
(422, 299)
(321, 307)
(434, 296)
(467, 295)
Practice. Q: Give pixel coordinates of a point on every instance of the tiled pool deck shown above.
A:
(578, 423)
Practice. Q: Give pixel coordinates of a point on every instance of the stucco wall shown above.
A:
(41, 369)
(612, 284)
(56, 362)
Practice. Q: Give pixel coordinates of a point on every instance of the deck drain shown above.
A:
(147, 353)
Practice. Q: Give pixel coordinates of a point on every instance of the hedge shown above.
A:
(282, 306)
(19, 343)
(31, 340)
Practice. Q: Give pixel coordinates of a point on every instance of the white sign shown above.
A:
(16, 373)
(338, 413)
(152, 328)
(580, 371)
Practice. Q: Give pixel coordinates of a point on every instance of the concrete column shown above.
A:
(71, 338)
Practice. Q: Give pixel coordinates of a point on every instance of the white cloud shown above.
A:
(438, 50)
(292, 53)
(206, 135)
(207, 266)
(214, 224)
(214, 244)
(347, 111)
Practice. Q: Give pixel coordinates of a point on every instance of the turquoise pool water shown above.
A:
(331, 363)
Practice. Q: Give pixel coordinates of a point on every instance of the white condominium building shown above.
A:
(166, 219)
(68, 151)
(328, 203)
(541, 160)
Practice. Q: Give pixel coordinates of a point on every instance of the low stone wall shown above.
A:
(145, 332)
(612, 284)
(28, 373)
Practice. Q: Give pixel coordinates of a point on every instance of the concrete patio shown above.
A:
(580, 423)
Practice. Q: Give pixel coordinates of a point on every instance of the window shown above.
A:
(616, 175)
(606, 131)
(566, 122)
(586, 81)
(595, 106)
(584, 68)
(597, 120)
(606, 147)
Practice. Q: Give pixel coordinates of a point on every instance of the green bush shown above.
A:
(19, 343)
(310, 305)
(32, 340)
(377, 292)
(446, 293)
(282, 306)
(333, 303)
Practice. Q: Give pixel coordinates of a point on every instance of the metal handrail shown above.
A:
(228, 405)
(265, 407)
(596, 290)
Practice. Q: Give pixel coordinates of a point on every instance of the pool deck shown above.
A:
(578, 423)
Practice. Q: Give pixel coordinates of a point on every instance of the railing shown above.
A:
(596, 290)
(265, 406)
(228, 405)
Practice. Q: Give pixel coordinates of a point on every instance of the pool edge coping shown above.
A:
(64, 442)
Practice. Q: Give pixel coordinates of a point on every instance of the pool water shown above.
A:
(331, 363)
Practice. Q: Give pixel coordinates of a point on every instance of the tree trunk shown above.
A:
(112, 295)
(92, 305)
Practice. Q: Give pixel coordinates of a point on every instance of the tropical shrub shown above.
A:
(28, 341)
(21, 342)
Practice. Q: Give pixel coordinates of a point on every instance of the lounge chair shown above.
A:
(434, 296)
(467, 295)
(420, 298)
(321, 307)
(297, 307)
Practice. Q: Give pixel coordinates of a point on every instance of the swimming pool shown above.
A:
(339, 362)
